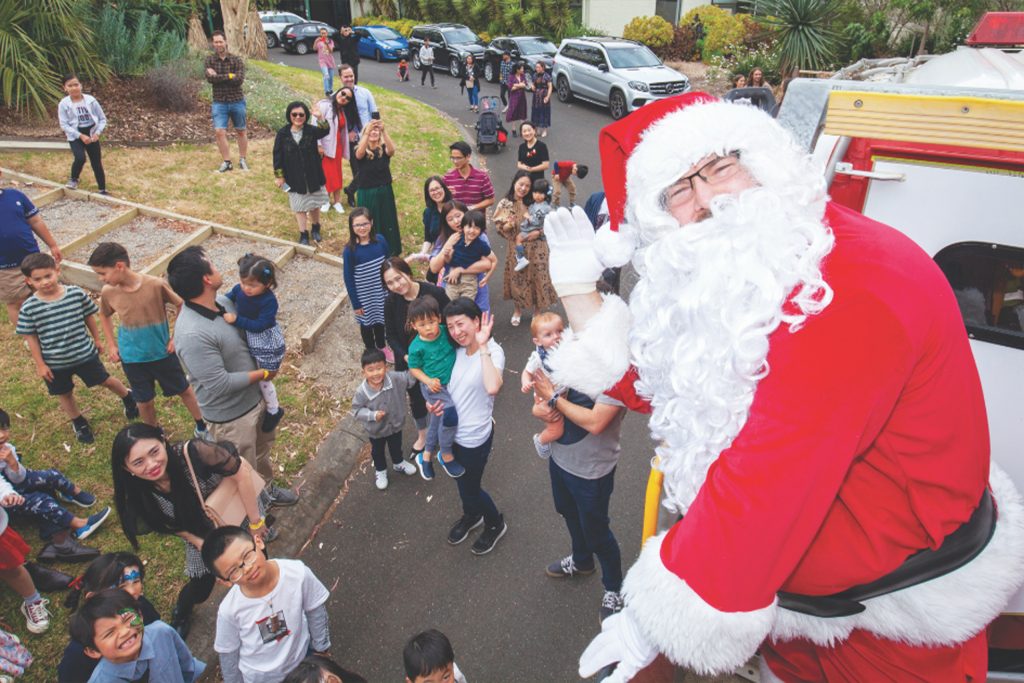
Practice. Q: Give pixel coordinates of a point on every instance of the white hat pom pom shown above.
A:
(614, 248)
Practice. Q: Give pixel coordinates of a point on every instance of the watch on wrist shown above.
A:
(553, 402)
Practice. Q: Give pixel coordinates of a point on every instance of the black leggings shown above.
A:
(80, 150)
(504, 94)
(196, 591)
(427, 69)
(393, 443)
(373, 336)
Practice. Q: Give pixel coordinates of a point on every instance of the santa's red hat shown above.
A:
(645, 152)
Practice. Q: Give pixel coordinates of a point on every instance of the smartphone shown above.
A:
(375, 115)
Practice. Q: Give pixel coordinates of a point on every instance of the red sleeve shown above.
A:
(624, 391)
(831, 387)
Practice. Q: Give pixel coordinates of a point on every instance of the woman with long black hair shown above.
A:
(154, 491)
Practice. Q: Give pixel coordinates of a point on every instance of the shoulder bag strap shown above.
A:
(195, 480)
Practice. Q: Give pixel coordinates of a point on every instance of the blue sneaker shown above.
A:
(453, 469)
(92, 524)
(425, 467)
(82, 499)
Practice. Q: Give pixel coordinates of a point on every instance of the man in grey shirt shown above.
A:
(219, 366)
(582, 469)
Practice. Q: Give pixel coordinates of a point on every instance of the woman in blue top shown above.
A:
(451, 222)
(435, 195)
(364, 255)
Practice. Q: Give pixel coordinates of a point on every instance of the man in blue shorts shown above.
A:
(227, 73)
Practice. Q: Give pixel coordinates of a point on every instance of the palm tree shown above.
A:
(40, 41)
(803, 30)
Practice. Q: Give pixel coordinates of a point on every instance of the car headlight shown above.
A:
(639, 85)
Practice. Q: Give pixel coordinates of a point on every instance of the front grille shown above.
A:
(668, 88)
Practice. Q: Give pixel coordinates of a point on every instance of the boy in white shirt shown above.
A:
(275, 612)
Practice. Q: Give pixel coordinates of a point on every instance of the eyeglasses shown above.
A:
(715, 172)
(361, 225)
(247, 561)
(297, 115)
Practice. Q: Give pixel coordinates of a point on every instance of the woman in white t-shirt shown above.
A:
(476, 380)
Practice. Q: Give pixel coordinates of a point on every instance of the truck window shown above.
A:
(988, 281)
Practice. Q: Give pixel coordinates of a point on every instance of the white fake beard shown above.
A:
(709, 296)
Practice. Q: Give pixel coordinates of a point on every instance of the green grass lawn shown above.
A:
(180, 178)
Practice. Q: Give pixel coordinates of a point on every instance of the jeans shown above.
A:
(393, 444)
(37, 489)
(328, 74)
(476, 501)
(440, 430)
(80, 150)
(583, 503)
(222, 111)
(474, 95)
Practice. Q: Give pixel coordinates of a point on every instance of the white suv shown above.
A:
(621, 74)
(274, 22)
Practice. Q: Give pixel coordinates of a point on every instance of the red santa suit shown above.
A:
(864, 443)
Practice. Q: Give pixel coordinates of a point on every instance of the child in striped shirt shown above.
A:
(59, 325)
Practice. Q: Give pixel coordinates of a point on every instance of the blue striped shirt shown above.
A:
(60, 326)
(363, 282)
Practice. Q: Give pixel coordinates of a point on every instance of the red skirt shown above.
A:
(13, 549)
(332, 167)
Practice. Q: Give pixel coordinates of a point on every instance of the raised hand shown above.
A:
(573, 263)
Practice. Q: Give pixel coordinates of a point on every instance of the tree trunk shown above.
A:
(924, 39)
(255, 45)
(234, 13)
(196, 35)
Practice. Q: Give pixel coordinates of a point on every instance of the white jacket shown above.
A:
(68, 117)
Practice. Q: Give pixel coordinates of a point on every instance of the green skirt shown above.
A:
(381, 203)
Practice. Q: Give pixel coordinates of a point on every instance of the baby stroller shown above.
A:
(489, 129)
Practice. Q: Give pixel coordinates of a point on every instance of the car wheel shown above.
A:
(489, 74)
(416, 64)
(617, 104)
(271, 40)
(301, 48)
(563, 90)
(377, 56)
(455, 67)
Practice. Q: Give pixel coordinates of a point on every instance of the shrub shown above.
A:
(683, 47)
(743, 61)
(171, 88)
(654, 32)
(722, 29)
(130, 42)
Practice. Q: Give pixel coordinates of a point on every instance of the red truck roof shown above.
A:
(998, 29)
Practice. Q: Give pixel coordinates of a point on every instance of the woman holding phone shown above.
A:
(374, 158)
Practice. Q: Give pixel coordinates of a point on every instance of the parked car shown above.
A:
(529, 49)
(381, 42)
(300, 37)
(274, 22)
(451, 43)
(621, 74)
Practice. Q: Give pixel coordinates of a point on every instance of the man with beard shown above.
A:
(819, 415)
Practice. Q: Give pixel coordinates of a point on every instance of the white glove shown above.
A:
(573, 264)
(619, 641)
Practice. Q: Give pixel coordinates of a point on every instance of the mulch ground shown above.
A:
(132, 118)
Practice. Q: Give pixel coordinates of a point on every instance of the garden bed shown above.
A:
(30, 190)
(305, 288)
(146, 238)
(68, 219)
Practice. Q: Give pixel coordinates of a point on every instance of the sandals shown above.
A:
(516, 319)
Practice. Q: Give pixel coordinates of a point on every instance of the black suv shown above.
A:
(451, 43)
(300, 37)
(528, 49)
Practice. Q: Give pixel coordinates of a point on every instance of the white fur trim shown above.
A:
(689, 631)
(943, 611)
(597, 357)
(614, 248)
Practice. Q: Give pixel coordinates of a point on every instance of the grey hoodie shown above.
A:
(390, 398)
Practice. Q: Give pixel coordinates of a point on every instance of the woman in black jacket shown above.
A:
(298, 170)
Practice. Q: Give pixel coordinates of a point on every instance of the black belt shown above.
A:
(957, 549)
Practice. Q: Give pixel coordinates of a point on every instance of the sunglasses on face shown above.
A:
(298, 115)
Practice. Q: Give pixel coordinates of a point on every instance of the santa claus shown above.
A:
(822, 426)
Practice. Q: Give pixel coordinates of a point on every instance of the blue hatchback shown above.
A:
(381, 42)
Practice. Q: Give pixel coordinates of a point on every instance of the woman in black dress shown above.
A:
(533, 154)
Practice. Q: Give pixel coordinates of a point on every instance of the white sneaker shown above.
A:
(37, 617)
(382, 480)
(405, 467)
(325, 208)
(338, 207)
(521, 263)
(543, 449)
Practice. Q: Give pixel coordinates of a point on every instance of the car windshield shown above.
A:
(458, 36)
(631, 57)
(384, 34)
(536, 46)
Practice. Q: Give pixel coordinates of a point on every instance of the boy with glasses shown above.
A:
(274, 613)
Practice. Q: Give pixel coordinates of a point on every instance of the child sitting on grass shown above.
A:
(429, 657)
(431, 359)
(256, 304)
(547, 328)
(35, 491)
(274, 614)
(380, 405)
(59, 324)
(143, 343)
(110, 627)
(534, 220)
(111, 570)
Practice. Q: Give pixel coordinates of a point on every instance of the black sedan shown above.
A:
(529, 49)
(300, 37)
